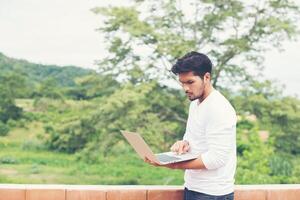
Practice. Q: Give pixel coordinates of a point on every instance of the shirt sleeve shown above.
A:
(220, 135)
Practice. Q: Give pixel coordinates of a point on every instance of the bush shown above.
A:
(35, 169)
(4, 129)
(147, 108)
(69, 137)
(21, 123)
(10, 111)
(280, 166)
(8, 160)
(33, 145)
(29, 116)
(11, 123)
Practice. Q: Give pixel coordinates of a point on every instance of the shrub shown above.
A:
(69, 137)
(33, 145)
(11, 123)
(280, 166)
(8, 160)
(4, 129)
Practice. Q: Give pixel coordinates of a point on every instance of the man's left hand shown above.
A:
(171, 165)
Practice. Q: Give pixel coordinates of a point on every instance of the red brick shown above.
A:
(45, 194)
(12, 194)
(250, 194)
(165, 194)
(85, 194)
(127, 194)
(283, 194)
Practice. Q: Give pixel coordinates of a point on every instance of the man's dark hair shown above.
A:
(195, 62)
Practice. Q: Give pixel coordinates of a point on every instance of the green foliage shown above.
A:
(48, 88)
(145, 39)
(280, 115)
(281, 166)
(146, 108)
(13, 84)
(46, 104)
(36, 73)
(92, 86)
(256, 162)
(10, 85)
(33, 145)
(4, 129)
(286, 117)
(8, 160)
(253, 160)
(74, 136)
(9, 111)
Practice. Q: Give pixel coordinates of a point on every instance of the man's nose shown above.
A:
(186, 88)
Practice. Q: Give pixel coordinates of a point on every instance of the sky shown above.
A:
(63, 32)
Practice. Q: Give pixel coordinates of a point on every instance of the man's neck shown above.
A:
(207, 92)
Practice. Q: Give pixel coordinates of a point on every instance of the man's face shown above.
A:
(193, 85)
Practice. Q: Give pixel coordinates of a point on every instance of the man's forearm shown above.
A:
(193, 164)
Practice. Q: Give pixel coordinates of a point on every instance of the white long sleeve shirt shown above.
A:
(211, 133)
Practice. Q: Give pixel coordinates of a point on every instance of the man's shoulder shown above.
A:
(219, 105)
(219, 100)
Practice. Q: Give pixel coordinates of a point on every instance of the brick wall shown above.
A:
(85, 192)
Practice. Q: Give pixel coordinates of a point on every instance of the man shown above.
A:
(210, 132)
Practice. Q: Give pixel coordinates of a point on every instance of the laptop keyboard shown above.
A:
(166, 158)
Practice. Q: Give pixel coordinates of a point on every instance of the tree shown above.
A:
(253, 155)
(146, 38)
(49, 88)
(280, 115)
(11, 86)
(258, 161)
(4, 129)
(14, 84)
(93, 86)
(147, 108)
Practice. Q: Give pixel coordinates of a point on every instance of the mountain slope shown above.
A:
(36, 73)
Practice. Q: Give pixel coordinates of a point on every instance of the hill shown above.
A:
(36, 73)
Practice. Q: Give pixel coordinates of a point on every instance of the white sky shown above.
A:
(62, 32)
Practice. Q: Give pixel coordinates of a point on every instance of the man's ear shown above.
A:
(206, 77)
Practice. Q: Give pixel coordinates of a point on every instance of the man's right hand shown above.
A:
(180, 147)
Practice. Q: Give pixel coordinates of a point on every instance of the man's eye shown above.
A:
(190, 82)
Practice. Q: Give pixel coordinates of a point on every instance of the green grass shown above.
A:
(24, 158)
(18, 166)
(21, 161)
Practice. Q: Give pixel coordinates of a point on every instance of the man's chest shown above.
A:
(196, 131)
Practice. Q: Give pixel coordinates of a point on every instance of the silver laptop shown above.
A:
(144, 151)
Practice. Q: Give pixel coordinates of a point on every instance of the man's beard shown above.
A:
(192, 98)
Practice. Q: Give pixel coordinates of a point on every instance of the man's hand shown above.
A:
(180, 147)
(171, 166)
(151, 162)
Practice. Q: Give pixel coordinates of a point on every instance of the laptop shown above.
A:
(143, 150)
